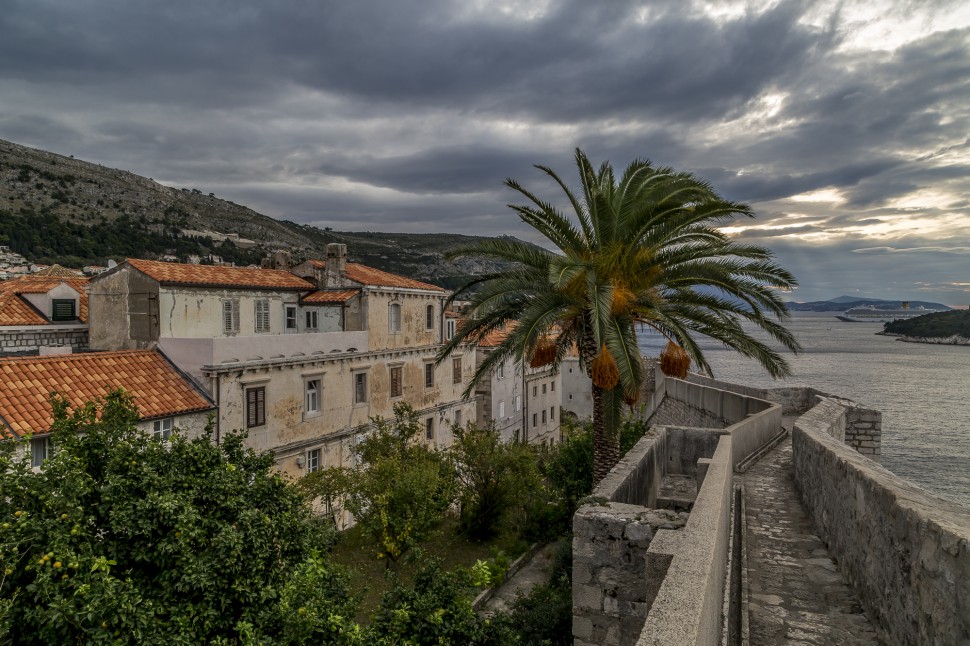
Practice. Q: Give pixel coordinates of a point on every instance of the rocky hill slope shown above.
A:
(60, 209)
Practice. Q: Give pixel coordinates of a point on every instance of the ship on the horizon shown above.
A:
(872, 314)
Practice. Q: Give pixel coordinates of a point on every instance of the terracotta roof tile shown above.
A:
(157, 388)
(57, 270)
(330, 296)
(173, 273)
(15, 310)
(370, 276)
(495, 338)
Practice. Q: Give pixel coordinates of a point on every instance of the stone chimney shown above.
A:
(336, 270)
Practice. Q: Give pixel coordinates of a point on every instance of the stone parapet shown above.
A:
(905, 551)
(29, 341)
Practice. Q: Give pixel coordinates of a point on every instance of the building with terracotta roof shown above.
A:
(43, 314)
(524, 404)
(166, 399)
(301, 358)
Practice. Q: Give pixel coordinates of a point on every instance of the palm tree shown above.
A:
(641, 251)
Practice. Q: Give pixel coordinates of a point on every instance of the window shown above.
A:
(552, 412)
(570, 396)
(429, 317)
(543, 417)
(501, 408)
(255, 407)
(429, 428)
(394, 317)
(429, 375)
(230, 316)
(456, 370)
(40, 450)
(63, 309)
(262, 315)
(501, 371)
(518, 403)
(457, 418)
(535, 391)
(290, 321)
(312, 399)
(516, 435)
(543, 389)
(397, 378)
(312, 319)
(313, 460)
(552, 386)
(360, 387)
(163, 428)
(535, 419)
(450, 328)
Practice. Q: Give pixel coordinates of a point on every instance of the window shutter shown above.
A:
(62, 309)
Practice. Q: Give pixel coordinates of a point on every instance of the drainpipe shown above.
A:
(218, 409)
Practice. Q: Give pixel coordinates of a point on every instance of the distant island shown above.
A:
(843, 303)
(947, 328)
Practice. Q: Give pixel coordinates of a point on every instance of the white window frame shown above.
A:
(449, 329)
(40, 450)
(456, 370)
(162, 428)
(261, 322)
(291, 318)
(313, 460)
(394, 317)
(312, 398)
(501, 408)
(518, 403)
(501, 371)
(230, 316)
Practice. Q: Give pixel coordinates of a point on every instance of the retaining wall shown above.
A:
(632, 584)
(905, 551)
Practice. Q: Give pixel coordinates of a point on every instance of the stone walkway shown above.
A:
(536, 571)
(796, 593)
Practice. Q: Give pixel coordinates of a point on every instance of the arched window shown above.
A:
(394, 316)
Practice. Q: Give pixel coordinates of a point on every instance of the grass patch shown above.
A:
(358, 554)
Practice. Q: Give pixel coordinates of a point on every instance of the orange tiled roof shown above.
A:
(330, 296)
(369, 276)
(15, 310)
(495, 338)
(173, 273)
(57, 270)
(26, 383)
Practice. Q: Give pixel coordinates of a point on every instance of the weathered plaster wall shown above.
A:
(543, 399)
(905, 551)
(29, 340)
(414, 330)
(290, 430)
(191, 425)
(197, 312)
(108, 312)
(577, 389)
(497, 396)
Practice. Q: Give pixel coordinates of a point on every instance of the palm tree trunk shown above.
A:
(606, 441)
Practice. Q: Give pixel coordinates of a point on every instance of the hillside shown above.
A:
(843, 303)
(933, 326)
(60, 209)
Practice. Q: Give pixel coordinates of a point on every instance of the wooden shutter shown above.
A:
(255, 407)
(395, 382)
(62, 309)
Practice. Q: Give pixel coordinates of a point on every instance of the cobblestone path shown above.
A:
(796, 593)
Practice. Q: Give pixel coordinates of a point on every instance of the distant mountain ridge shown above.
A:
(843, 303)
(60, 209)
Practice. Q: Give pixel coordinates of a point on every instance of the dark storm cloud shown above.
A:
(408, 114)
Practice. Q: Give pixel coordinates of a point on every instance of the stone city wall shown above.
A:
(25, 342)
(905, 551)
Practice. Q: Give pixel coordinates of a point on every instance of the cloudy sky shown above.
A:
(844, 124)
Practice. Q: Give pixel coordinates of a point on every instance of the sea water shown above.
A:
(922, 390)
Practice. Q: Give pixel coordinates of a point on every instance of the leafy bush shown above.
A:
(121, 537)
(402, 489)
(497, 479)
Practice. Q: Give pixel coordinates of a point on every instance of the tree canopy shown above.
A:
(642, 249)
